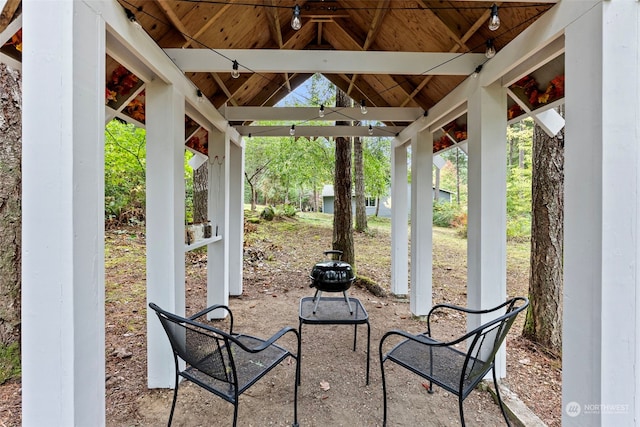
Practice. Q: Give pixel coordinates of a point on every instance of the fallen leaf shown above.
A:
(324, 385)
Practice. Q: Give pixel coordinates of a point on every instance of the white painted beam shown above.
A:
(218, 210)
(487, 218)
(535, 61)
(332, 114)
(399, 221)
(600, 333)
(165, 223)
(421, 298)
(318, 131)
(63, 335)
(325, 61)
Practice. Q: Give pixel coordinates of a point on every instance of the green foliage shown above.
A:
(9, 362)
(519, 154)
(446, 214)
(125, 154)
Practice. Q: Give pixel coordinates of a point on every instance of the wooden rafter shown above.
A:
(7, 14)
(224, 88)
(168, 11)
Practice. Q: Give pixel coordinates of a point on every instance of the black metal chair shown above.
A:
(223, 362)
(447, 363)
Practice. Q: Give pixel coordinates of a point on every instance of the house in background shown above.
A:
(328, 199)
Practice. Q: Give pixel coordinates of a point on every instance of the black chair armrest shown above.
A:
(212, 308)
(271, 340)
(421, 338)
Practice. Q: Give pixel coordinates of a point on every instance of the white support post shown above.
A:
(235, 232)
(601, 342)
(217, 253)
(165, 223)
(421, 222)
(63, 338)
(487, 221)
(399, 221)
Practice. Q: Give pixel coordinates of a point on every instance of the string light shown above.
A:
(363, 107)
(321, 111)
(296, 22)
(235, 73)
(477, 71)
(494, 19)
(292, 131)
(370, 130)
(491, 50)
(200, 96)
(130, 15)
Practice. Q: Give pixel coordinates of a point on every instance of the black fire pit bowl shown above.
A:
(333, 275)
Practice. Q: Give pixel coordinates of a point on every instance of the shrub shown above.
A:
(446, 214)
(268, 213)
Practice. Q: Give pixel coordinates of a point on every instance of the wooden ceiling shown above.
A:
(338, 25)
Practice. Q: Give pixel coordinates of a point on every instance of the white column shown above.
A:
(165, 222)
(63, 339)
(217, 252)
(236, 217)
(487, 235)
(601, 343)
(421, 222)
(399, 221)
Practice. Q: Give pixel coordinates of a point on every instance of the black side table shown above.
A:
(335, 311)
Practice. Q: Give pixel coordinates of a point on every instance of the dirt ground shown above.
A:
(333, 390)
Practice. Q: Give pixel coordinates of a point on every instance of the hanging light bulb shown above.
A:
(296, 22)
(491, 50)
(200, 96)
(363, 107)
(370, 130)
(292, 131)
(235, 73)
(477, 71)
(494, 19)
(321, 111)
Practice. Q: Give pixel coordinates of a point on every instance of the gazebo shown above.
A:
(419, 67)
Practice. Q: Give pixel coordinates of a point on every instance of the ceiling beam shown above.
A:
(236, 114)
(326, 61)
(319, 131)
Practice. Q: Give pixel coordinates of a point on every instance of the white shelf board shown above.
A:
(200, 243)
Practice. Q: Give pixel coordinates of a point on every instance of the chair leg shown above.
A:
(295, 390)
(460, 400)
(495, 383)
(384, 394)
(173, 404)
(235, 412)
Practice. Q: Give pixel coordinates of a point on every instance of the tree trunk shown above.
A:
(361, 208)
(342, 220)
(543, 322)
(10, 204)
(200, 193)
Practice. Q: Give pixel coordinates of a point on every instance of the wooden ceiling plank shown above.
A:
(455, 48)
(209, 23)
(166, 8)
